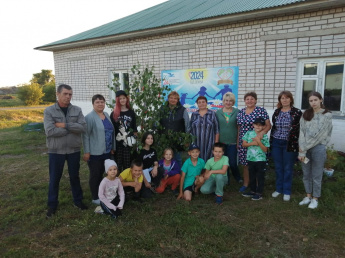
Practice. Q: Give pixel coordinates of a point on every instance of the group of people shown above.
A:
(221, 140)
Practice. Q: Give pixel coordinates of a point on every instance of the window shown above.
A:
(123, 79)
(325, 76)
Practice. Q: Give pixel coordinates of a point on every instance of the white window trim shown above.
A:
(110, 80)
(320, 79)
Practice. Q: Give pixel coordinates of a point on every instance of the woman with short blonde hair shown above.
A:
(227, 120)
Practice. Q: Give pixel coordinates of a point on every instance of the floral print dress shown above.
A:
(245, 121)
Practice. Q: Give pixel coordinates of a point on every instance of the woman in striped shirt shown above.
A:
(204, 127)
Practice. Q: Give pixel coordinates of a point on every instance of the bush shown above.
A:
(31, 94)
(147, 99)
(49, 91)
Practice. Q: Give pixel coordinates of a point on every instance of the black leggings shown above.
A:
(113, 213)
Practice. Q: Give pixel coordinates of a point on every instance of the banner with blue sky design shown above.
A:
(211, 83)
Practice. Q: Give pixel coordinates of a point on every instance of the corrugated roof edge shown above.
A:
(81, 37)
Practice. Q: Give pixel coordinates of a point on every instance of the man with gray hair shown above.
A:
(63, 125)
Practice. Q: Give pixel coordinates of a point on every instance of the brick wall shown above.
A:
(265, 50)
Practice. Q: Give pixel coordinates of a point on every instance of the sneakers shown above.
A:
(286, 197)
(50, 213)
(96, 202)
(257, 197)
(80, 206)
(243, 189)
(219, 200)
(306, 200)
(153, 190)
(175, 192)
(313, 204)
(99, 210)
(275, 194)
(248, 194)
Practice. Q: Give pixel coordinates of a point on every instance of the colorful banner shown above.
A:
(211, 83)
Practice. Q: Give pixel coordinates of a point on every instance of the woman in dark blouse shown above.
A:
(284, 142)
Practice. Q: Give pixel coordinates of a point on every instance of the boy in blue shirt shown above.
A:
(190, 172)
(216, 173)
(257, 144)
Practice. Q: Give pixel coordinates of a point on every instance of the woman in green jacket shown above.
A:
(227, 120)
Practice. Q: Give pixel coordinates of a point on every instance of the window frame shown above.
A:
(320, 79)
(111, 73)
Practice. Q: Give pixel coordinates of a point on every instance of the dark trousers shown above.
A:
(111, 212)
(231, 153)
(96, 167)
(257, 176)
(122, 156)
(145, 192)
(130, 193)
(56, 165)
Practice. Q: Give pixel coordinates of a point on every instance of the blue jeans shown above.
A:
(56, 165)
(231, 153)
(283, 162)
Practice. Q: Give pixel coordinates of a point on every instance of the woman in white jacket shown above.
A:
(315, 134)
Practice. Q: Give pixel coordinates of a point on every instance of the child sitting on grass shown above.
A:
(190, 173)
(110, 193)
(132, 179)
(216, 173)
(148, 156)
(257, 144)
(171, 175)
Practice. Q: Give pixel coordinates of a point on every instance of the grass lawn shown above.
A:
(16, 102)
(162, 226)
(12, 102)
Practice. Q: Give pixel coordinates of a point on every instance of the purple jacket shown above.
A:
(174, 167)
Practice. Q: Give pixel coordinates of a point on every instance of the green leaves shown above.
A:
(147, 100)
(31, 94)
(43, 78)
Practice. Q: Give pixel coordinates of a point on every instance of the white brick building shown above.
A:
(298, 46)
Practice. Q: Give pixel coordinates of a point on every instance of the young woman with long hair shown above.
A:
(315, 134)
(124, 121)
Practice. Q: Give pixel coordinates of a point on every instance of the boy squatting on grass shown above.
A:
(257, 144)
(110, 193)
(190, 180)
(132, 179)
(216, 173)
